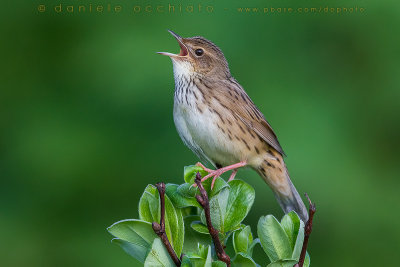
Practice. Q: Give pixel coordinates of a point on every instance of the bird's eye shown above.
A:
(199, 52)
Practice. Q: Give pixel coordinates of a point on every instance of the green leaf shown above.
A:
(134, 250)
(273, 239)
(134, 231)
(199, 227)
(242, 239)
(307, 260)
(134, 236)
(201, 258)
(218, 186)
(181, 200)
(243, 260)
(241, 199)
(291, 224)
(282, 263)
(188, 211)
(189, 173)
(208, 259)
(230, 206)
(149, 210)
(187, 190)
(192, 237)
(186, 261)
(218, 206)
(294, 228)
(204, 251)
(218, 264)
(158, 256)
(174, 226)
(299, 242)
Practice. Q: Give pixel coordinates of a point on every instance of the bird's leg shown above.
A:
(230, 178)
(218, 172)
(232, 175)
(222, 170)
(204, 167)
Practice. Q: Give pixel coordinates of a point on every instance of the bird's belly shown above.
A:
(201, 131)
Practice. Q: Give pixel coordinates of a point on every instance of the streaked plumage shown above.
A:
(219, 122)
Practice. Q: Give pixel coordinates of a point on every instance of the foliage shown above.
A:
(186, 228)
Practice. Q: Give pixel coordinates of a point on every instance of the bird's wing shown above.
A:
(234, 97)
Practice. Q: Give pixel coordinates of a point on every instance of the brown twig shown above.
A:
(307, 232)
(159, 229)
(203, 201)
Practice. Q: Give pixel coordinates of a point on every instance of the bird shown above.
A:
(218, 121)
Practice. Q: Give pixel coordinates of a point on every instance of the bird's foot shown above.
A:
(204, 167)
(218, 172)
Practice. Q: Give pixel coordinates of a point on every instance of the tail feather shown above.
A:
(277, 177)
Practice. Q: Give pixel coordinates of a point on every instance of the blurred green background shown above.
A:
(86, 121)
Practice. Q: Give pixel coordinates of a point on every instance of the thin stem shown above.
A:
(159, 229)
(307, 232)
(203, 201)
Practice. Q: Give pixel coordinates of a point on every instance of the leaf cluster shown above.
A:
(186, 227)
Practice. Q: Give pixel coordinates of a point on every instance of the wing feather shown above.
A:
(243, 108)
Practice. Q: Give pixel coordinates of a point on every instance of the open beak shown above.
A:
(183, 52)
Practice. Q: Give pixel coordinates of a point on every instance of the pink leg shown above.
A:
(204, 167)
(213, 182)
(216, 173)
(220, 171)
(233, 175)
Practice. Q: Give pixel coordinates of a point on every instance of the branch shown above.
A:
(307, 232)
(159, 229)
(203, 201)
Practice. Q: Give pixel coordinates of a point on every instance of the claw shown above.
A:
(216, 173)
(213, 182)
(232, 175)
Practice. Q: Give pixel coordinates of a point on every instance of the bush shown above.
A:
(190, 234)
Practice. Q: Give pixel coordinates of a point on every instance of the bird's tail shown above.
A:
(275, 174)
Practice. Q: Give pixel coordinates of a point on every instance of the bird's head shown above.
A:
(198, 56)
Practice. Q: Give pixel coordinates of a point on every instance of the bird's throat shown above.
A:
(182, 69)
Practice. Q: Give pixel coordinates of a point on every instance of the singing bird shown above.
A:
(219, 122)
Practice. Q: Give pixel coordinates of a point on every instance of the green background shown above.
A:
(86, 121)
